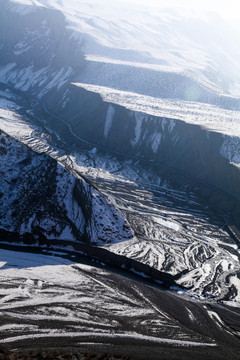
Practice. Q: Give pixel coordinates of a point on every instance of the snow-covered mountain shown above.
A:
(166, 53)
(44, 106)
(120, 143)
(197, 44)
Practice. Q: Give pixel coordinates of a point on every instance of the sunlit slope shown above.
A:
(165, 53)
(197, 44)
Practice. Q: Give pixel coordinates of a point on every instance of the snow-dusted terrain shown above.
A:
(166, 39)
(40, 198)
(129, 72)
(45, 297)
(174, 231)
(119, 144)
(39, 107)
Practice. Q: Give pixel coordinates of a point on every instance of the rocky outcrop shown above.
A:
(40, 200)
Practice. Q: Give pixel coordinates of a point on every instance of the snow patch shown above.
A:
(109, 120)
(139, 118)
(155, 141)
(169, 224)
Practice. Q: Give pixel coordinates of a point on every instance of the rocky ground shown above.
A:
(6, 354)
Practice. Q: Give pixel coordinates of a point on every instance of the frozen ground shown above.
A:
(50, 300)
(79, 301)
(173, 230)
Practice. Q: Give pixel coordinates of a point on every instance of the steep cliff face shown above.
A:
(190, 153)
(40, 200)
(36, 194)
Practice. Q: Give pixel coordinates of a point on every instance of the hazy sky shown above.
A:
(227, 8)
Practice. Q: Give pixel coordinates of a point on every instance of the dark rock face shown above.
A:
(59, 355)
(40, 200)
(33, 195)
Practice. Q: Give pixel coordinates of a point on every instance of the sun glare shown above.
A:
(227, 8)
